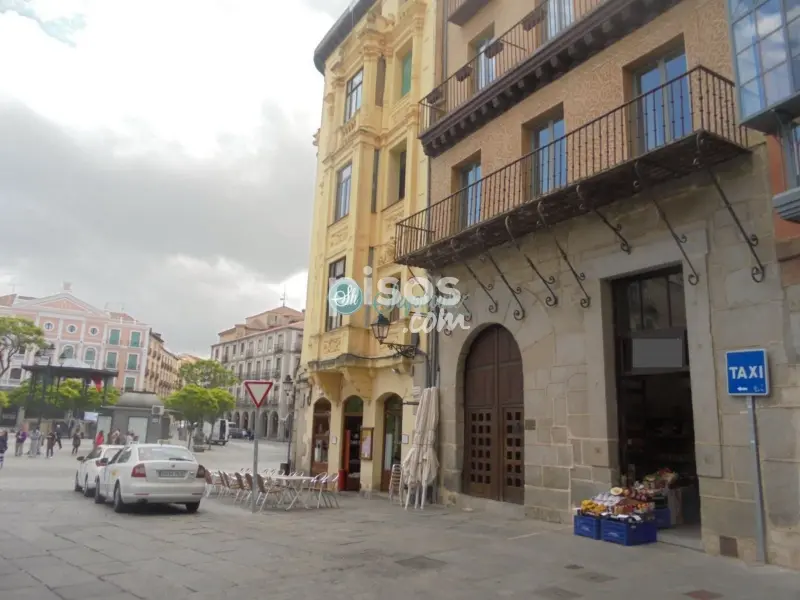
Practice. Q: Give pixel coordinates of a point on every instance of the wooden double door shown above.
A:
(494, 419)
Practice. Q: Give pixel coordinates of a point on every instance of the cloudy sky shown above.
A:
(157, 155)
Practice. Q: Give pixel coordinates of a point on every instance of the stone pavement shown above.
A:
(56, 544)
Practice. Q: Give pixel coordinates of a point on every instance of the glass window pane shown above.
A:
(752, 97)
(655, 304)
(776, 84)
(634, 307)
(773, 50)
(747, 64)
(792, 9)
(768, 17)
(740, 7)
(559, 130)
(677, 302)
(676, 67)
(744, 33)
(796, 71)
(794, 37)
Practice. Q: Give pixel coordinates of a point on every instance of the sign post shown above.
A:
(748, 376)
(257, 390)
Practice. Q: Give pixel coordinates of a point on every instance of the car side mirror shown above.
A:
(81, 458)
(103, 462)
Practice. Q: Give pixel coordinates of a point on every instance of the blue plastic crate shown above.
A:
(663, 518)
(628, 534)
(586, 527)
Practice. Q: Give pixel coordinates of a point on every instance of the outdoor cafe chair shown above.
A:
(230, 484)
(211, 485)
(331, 491)
(242, 490)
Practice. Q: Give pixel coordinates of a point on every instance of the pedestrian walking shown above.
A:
(113, 439)
(76, 442)
(51, 444)
(3, 446)
(129, 438)
(58, 437)
(19, 442)
(100, 439)
(35, 448)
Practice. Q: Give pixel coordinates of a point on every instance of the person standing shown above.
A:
(129, 439)
(51, 443)
(3, 446)
(76, 441)
(19, 442)
(58, 437)
(34, 449)
(100, 439)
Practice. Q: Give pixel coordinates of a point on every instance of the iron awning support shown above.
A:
(680, 240)
(757, 272)
(586, 301)
(551, 299)
(486, 288)
(519, 313)
(588, 205)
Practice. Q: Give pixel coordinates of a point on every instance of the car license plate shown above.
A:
(171, 473)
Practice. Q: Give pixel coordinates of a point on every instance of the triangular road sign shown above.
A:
(257, 390)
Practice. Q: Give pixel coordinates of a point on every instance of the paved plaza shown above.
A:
(55, 544)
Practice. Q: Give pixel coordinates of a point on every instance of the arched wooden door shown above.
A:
(494, 437)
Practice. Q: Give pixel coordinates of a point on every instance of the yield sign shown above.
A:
(257, 390)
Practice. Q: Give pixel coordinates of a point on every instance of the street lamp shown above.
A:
(45, 353)
(380, 331)
(288, 386)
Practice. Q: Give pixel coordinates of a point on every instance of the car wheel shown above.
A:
(98, 499)
(87, 492)
(119, 505)
(192, 507)
(77, 485)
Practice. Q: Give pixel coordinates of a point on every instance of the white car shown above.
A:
(152, 474)
(90, 466)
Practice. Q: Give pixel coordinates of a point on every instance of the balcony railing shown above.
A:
(661, 126)
(500, 57)
(276, 374)
(278, 348)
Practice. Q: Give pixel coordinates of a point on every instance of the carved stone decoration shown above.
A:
(332, 344)
(386, 255)
(338, 235)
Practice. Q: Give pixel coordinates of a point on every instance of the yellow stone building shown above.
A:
(371, 172)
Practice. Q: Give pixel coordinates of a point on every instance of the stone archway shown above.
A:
(494, 427)
(273, 425)
(236, 420)
(245, 420)
(263, 428)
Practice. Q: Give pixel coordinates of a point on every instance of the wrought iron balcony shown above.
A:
(669, 132)
(460, 11)
(555, 37)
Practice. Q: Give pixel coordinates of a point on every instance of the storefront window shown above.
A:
(321, 436)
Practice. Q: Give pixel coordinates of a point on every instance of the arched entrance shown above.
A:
(246, 421)
(236, 419)
(273, 425)
(494, 413)
(321, 434)
(264, 429)
(351, 448)
(392, 432)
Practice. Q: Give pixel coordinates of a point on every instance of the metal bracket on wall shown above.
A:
(586, 301)
(551, 299)
(587, 204)
(487, 288)
(680, 240)
(757, 273)
(519, 313)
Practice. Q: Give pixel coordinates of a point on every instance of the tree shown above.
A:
(206, 373)
(3, 399)
(195, 404)
(225, 401)
(67, 395)
(16, 336)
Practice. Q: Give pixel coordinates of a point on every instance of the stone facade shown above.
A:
(568, 355)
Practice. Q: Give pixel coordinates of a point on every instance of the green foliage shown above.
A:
(194, 403)
(3, 399)
(206, 373)
(225, 401)
(16, 336)
(67, 395)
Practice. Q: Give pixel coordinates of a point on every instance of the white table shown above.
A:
(293, 487)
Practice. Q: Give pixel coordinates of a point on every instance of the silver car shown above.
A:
(152, 474)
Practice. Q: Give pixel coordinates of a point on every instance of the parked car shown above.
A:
(236, 433)
(152, 474)
(89, 468)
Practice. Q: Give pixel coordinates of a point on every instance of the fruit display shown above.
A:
(618, 503)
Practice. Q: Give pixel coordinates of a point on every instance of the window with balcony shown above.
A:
(549, 158)
(136, 339)
(278, 367)
(111, 360)
(398, 173)
(133, 362)
(90, 356)
(405, 74)
(663, 116)
(15, 374)
(559, 17)
(484, 61)
(353, 92)
(343, 183)
(766, 42)
(67, 352)
(249, 370)
(257, 372)
(469, 176)
(113, 337)
(130, 384)
(333, 318)
(239, 371)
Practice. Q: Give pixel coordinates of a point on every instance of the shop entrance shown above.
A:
(656, 421)
(351, 447)
(392, 433)
(321, 428)
(494, 436)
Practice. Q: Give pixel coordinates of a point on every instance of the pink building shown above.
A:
(99, 338)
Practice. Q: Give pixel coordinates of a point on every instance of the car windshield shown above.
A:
(109, 452)
(166, 453)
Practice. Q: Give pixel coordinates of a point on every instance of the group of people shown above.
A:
(115, 438)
